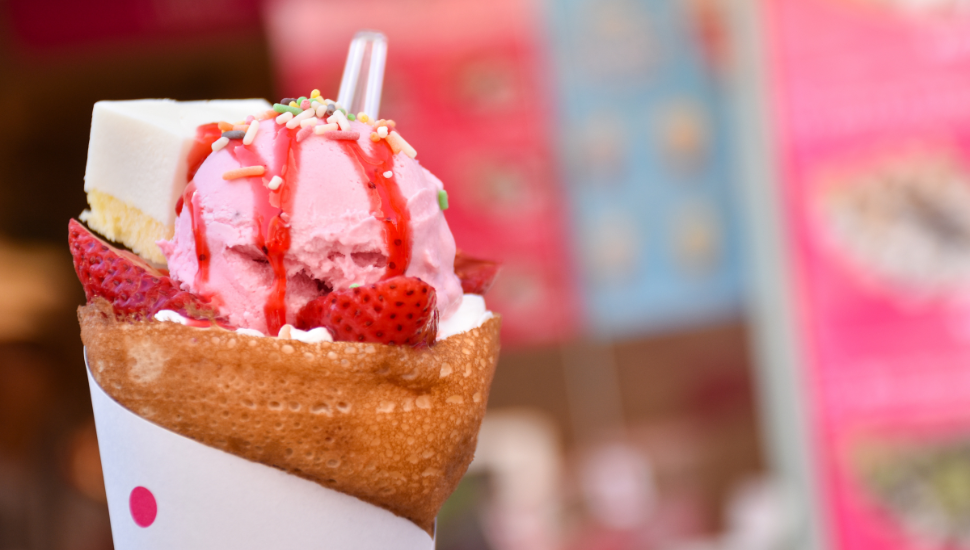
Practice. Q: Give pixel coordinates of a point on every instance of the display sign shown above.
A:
(868, 162)
(646, 163)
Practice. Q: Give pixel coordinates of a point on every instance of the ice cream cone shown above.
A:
(167, 491)
(392, 426)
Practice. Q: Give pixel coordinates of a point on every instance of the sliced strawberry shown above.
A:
(397, 311)
(476, 275)
(131, 285)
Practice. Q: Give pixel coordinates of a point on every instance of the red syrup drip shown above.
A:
(277, 245)
(385, 191)
(205, 136)
(272, 233)
(202, 253)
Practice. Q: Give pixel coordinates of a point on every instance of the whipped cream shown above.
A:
(471, 314)
(169, 316)
(311, 336)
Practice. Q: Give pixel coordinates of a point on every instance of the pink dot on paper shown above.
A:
(143, 506)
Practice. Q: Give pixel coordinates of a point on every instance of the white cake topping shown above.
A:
(138, 149)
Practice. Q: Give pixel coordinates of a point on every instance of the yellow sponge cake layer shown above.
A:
(123, 223)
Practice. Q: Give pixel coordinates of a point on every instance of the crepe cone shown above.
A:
(392, 426)
(167, 491)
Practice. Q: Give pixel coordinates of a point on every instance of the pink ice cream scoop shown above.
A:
(343, 212)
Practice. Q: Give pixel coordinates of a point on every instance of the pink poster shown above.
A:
(870, 110)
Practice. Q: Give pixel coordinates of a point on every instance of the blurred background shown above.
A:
(735, 237)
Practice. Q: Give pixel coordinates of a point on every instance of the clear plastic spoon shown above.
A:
(363, 78)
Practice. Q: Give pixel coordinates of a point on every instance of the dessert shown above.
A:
(901, 222)
(313, 313)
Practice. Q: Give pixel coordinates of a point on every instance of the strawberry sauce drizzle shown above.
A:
(385, 191)
(205, 136)
(276, 246)
(272, 233)
(202, 253)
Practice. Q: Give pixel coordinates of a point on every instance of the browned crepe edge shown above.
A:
(393, 426)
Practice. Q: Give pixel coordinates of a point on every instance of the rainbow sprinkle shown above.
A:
(324, 128)
(343, 135)
(219, 144)
(398, 144)
(295, 121)
(280, 108)
(251, 132)
(246, 172)
(313, 115)
(304, 133)
(341, 119)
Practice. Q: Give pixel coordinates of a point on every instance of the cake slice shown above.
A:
(138, 163)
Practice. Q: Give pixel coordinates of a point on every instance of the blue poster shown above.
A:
(646, 164)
